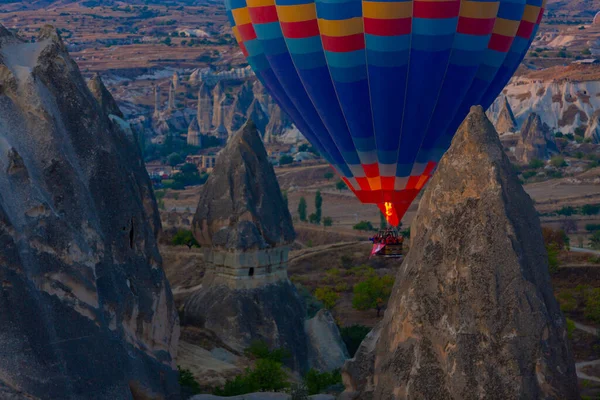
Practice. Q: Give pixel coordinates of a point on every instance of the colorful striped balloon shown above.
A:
(380, 87)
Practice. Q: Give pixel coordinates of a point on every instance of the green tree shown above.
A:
(184, 237)
(327, 296)
(353, 337)
(174, 159)
(286, 159)
(327, 221)
(341, 185)
(318, 207)
(567, 211)
(187, 380)
(316, 382)
(285, 199)
(536, 163)
(302, 209)
(595, 241)
(558, 162)
(364, 226)
(372, 293)
(590, 209)
(553, 264)
(328, 175)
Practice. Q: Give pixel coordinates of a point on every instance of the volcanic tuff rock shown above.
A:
(85, 309)
(535, 141)
(506, 121)
(103, 96)
(327, 350)
(241, 205)
(245, 227)
(472, 314)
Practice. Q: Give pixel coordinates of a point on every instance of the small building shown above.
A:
(587, 61)
(204, 162)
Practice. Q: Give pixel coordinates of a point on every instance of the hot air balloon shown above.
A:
(380, 87)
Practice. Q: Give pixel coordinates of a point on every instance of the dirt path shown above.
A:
(580, 250)
(318, 250)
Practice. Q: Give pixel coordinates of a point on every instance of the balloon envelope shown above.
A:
(380, 87)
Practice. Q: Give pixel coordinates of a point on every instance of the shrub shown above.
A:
(327, 221)
(267, 376)
(536, 163)
(341, 185)
(555, 237)
(187, 380)
(567, 211)
(353, 337)
(570, 328)
(341, 287)
(327, 296)
(567, 301)
(592, 227)
(364, 226)
(260, 350)
(592, 304)
(312, 304)
(328, 175)
(372, 293)
(286, 160)
(316, 381)
(590, 209)
(184, 237)
(553, 263)
(558, 162)
(529, 174)
(595, 241)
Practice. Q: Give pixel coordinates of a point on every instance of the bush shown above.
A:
(328, 175)
(555, 237)
(536, 164)
(590, 209)
(553, 263)
(592, 304)
(341, 185)
(183, 237)
(592, 227)
(312, 304)
(187, 380)
(567, 211)
(364, 226)
(327, 221)
(567, 301)
(260, 350)
(286, 160)
(302, 209)
(346, 261)
(316, 382)
(595, 241)
(353, 337)
(558, 162)
(174, 159)
(372, 293)
(267, 376)
(327, 296)
(570, 328)
(529, 174)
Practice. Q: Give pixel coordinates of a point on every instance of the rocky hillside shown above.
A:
(566, 99)
(87, 312)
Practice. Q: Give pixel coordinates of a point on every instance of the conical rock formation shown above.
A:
(86, 311)
(243, 223)
(103, 96)
(506, 122)
(472, 315)
(535, 142)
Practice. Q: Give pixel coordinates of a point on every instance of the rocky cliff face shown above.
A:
(506, 122)
(535, 141)
(563, 105)
(472, 315)
(86, 311)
